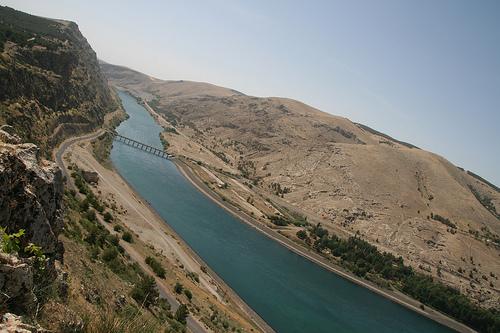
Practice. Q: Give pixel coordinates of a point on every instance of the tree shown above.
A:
(188, 294)
(319, 231)
(84, 205)
(278, 220)
(181, 313)
(178, 288)
(108, 217)
(156, 267)
(109, 254)
(301, 234)
(145, 292)
(127, 237)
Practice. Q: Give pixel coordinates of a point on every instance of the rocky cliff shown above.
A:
(31, 191)
(30, 195)
(50, 82)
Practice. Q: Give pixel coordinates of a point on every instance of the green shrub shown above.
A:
(181, 313)
(443, 220)
(178, 288)
(319, 231)
(485, 200)
(145, 292)
(188, 294)
(94, 252)
(109, 254)
(302, 234)
(279, 220)
(84, 205)
(10, 242)
(97, 235)
(193, 276)
(113, 239)
(90, 215)
(129, 320)
(108, 217)
(156, 267)
(127, 237)
(117, 266)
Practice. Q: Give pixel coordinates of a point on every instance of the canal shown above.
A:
(288, 291)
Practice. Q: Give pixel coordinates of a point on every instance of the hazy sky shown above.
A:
(426, 72)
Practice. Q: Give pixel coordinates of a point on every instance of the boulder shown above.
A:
(8, 135)
(16, 283)
(11, 323)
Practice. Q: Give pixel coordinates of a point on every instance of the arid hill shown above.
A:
(440, 218)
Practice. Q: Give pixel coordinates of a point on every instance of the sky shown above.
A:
(426, 72)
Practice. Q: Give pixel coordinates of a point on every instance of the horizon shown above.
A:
(448, 103)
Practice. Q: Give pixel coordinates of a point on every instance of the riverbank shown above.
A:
(187, 170)
(138, 216)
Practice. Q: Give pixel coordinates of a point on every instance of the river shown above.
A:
(288, 291)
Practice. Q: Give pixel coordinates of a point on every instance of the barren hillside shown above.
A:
(352, 179)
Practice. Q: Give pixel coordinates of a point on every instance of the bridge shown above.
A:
(140, 145)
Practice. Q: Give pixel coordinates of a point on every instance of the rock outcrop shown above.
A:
(31, 192)
(13, 324)
(16, 283)
(8, 135)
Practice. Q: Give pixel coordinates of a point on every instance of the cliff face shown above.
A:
(31, 192)
(50, 82)
(30, 195)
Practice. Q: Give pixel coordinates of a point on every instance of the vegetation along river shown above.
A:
(288, 291)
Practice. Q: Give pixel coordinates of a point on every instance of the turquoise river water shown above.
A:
(288, 291)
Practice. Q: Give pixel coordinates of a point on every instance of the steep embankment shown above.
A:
(50, 82)
(263, 154)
